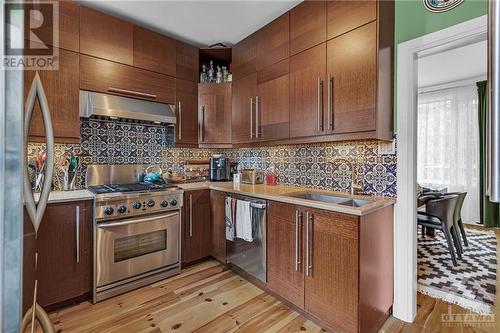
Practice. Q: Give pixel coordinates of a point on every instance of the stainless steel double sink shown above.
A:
(329, 198)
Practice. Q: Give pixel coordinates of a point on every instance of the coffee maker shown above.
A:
(220, 168)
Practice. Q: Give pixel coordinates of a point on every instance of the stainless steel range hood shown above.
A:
(94, 104)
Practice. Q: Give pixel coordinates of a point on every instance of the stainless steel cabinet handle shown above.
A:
(180, 120)
(77, 233)
(256, 116)
(251, 117)
(320, 105)
(190, 215)
(309, 264)
(131, 92)
(135, 221)
(330, 102)
(298, 217)
(202, 122)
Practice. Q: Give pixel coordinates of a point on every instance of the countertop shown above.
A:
(278, 192)
(67, 196)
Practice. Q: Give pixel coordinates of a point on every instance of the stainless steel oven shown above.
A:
(131, 249)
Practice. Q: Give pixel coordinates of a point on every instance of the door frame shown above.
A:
(405, 224)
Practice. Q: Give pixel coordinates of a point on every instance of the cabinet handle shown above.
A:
(330, 102)
(190, 215)
(298, 218)
(251, 117)
(256, 116)
(77, 226)
(131, 92)
(320, 104)
(202, 122)
(309, 222)
(180, 120)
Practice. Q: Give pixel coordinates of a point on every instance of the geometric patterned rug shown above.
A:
(472, 283)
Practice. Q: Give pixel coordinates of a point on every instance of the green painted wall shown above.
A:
(413, 20)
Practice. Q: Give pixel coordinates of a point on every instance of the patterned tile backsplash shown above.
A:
(312, 165)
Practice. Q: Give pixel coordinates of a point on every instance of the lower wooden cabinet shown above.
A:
(64, 247)
(196, 240)
(218, 217)
(338, 268)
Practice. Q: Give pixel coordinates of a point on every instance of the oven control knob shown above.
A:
(151, 203)
(108, 210)
(137, 205)
(173, 202)
(164, 203)
(122, 209)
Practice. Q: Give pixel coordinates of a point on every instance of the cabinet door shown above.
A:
(197, 237)
(64, 253)
(214, 101)
(307, 25)
(244, 57)
(187, 62)
(272, 105)
(273, 42)
(218, 221)
(243, 96)
(110, 77)
(343, 16)
(331, 283)
(285, 260)
(353, 75)
(154, 52)
(307, 87)
(63, 106)
(187, 111)
(105, 36)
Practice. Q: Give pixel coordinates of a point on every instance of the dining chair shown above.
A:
(458, 215)
(439, 215)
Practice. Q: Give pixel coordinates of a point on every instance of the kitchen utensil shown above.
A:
(173, 177)
(151, 176)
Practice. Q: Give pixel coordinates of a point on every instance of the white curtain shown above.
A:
(448, 144)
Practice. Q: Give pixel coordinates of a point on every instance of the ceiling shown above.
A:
(201, 22)
(458, 64)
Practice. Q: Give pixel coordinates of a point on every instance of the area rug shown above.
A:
(472, 283)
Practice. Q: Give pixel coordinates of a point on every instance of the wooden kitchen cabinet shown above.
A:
(343, 16)
(64, 246)
(307, 92)
(106, 37)
(187, 67)
(307, 25)
(244, 57)
(243, 97)
(273, 42)
(110, 77)
(154, 52)
(63, 107)
(218, 222)
(187, 112)
(214, 101)
(337, 267)
(353, 75)
(196, 229)
(272, 103)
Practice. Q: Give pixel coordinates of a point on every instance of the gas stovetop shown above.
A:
(126, 188)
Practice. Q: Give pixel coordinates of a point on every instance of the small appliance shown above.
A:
(220, 168)
(252, 176)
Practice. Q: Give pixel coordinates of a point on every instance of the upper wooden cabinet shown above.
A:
(187, 112)
(69, 25)
(307, 25)
(343, 16)
(106, 37)
(273, 42)
(62, 90)
(244, 57)
(187, 62)
(196, 228)
(110, 77)
(214, 100)
(154, 52)
(244, 93)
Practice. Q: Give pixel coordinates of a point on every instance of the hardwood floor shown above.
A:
(203, 298)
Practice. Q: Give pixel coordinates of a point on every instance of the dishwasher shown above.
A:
(251, 257)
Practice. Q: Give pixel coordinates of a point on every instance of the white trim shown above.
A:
(405, 226)
(452, 84)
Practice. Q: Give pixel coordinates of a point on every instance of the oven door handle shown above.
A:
(134, 221)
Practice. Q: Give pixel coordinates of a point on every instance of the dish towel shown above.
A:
(244, 220)
(230, 211)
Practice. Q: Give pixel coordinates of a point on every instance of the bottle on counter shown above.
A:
(271, 176)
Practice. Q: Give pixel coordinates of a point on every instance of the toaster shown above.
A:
(252, 176)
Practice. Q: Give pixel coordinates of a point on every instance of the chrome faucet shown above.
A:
(354, 188)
